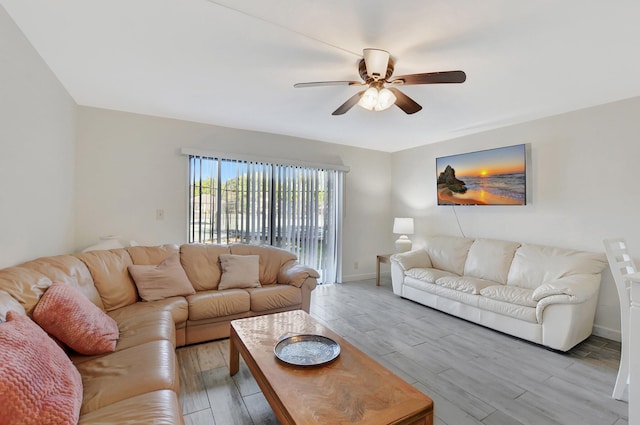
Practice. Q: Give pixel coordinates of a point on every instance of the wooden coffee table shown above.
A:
(353, 389)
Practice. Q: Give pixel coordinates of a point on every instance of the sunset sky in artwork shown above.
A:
(510, 159)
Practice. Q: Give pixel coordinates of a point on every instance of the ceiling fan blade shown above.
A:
(329, 83)
(431, 78)
(353, 100)
(404, 102)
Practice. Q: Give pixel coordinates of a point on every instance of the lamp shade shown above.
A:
(403, 226)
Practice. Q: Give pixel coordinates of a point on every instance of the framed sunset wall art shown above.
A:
(489, 177)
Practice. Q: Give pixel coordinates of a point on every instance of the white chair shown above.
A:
(621, 265)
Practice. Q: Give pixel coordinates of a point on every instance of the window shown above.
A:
(297, 208)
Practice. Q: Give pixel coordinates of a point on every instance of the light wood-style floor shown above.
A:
(474, 375)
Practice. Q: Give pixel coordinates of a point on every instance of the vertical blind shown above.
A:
(291, 207)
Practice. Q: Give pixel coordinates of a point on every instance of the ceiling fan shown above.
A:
(375, 70)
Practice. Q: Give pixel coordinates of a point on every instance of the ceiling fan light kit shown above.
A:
(375, 69)
(377, 100)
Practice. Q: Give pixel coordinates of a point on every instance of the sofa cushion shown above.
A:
(70, 270)
(8, 303)
(428, 275)
(448, 253)
(490, 259)
(70, 317)
(470, 285)
(111, 277)
(151, 255)
(271, 297)
(140, 329)
(177, 306)
(127, 373)
(157, 407)
(534, 265)
(202, 264)
(409, 260)
(25, 285)
(208, 304)
(510, 294)
(516, 311)
(239, 271)
(38, 382)
(271, 260)
(165, 280)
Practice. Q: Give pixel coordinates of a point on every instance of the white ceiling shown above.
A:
(234, 62)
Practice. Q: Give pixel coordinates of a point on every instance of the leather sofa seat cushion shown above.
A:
(271, 297)
(157, 407)
(202, 264)
(70, 270)
(111, 277)
(177, 306)
(448, 253)
(25, 285)
(271, 260)
(127, 373)
(454, 294)
(151, 255)
(534, 265)
(8, 303)
(429, 275)
(510, 294)
(490, 259)
(140, 329)
(469, 285)
(520, 312)
(208, 304)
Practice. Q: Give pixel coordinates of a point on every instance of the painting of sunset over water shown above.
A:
(490, 177)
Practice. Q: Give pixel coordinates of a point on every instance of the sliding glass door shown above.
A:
(295, 208)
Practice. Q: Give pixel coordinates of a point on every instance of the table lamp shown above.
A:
(403, 226)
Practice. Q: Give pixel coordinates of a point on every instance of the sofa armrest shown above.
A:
(412, 259)
(294, 273)
(575, 288)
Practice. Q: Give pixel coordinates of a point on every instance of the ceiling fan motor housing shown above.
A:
(377, 63)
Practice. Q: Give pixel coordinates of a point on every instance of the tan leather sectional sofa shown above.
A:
(139, 381)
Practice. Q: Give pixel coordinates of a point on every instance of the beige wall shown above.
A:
(130, 165)
(37, 142)
(583, 179)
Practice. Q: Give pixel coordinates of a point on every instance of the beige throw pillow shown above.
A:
(167, 279)
(239, 271)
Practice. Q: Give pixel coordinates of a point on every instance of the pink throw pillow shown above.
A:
(38, 382)
(70, 317)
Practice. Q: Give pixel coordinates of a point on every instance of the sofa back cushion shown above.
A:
(535, 265)
(151, 255)
(111, 277)
(271, 260)
(448, 253)
(25, 285)
(7, 304)
(70, 270)
(202, 264)
(490, 259)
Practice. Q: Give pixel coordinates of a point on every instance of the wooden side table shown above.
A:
(382, 258)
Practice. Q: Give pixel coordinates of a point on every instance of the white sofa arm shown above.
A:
(578, 288)
(412, 259)
(575, 289)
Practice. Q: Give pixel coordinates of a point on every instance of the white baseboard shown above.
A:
(356, 277)
(601, 331)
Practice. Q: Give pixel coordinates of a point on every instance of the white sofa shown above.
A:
(543, 294)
